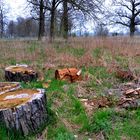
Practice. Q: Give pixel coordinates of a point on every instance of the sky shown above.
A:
(17, 8)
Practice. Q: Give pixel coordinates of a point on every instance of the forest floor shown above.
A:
(71, 113)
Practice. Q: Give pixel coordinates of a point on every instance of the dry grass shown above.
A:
(61, 54)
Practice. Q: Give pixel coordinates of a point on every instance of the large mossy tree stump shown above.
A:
(20, 73)
(23, 110)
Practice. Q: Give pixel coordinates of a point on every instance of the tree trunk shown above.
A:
(132, 21)
(41, 21)
(52, 20)
(132, 25)
(132, 29)
(1, 24)
(20, 73)
(23, 110)
(65, 19)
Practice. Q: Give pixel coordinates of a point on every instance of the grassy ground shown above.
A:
(68, 118)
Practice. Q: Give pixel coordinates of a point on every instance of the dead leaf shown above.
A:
(49, 81)
(45, 85)
(130, 91)
(124, 74)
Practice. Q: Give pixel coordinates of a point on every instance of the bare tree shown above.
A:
(11, 28)
(52, 7)
(65, 19)
(31, 27)
(39, 9)
(52, 20)
(87, 9)
(55, 13)
(127, 13)
(3, 13)
(101, 30)
(20, 27)
(23, 27)
(68, 8)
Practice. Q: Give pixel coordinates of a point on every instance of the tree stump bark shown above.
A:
(23, 110)
(68, 74)
(20, 73)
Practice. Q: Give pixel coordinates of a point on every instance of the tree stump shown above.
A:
(23, 110)
(20, 73)
(8, 86)
(68, 74)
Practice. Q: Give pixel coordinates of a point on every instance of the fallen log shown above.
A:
(20, 73)
(68, 74)
(23, 110)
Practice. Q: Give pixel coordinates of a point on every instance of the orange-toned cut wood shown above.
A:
(69, 74)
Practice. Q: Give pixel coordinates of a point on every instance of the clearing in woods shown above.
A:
(80, 110)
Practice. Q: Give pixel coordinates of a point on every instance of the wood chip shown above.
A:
(130, 91)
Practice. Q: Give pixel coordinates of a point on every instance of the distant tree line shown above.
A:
(23, 27)
(60, 17)
(3, 18)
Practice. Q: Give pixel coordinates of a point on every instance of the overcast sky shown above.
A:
(17, 8)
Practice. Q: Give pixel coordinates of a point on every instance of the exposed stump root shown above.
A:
(20, 73)
(23, 110)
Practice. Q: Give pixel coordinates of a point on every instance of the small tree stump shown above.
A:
(69, 74)
(20, 73)
(23, 110)
(8, 86)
